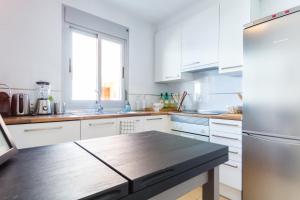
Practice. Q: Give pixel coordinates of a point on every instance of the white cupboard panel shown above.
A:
(98, 128)
(33, 135)
(231, 174)
(200, 40)
(157, 123)
(234, 14)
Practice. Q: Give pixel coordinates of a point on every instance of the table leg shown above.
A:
(211, 188)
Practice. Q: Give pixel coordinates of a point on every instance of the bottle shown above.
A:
(166, 100)
(127, 107)
(172, 101)
(161, 100)
(144, 103)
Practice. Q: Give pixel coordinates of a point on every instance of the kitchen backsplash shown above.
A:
(210, 90)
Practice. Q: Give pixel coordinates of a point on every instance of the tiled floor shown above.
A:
(196, 194)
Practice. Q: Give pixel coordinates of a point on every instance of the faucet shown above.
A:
(99, 107)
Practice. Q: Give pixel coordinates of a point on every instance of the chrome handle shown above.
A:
(224, 124)
(194, 63)
(233, 67)
(152, 119)
(224, 137)
(43, 129)
(233, 166)
(170, 77)
(234, 152)
(102, 124)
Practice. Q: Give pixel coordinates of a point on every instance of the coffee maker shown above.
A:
(43, 104)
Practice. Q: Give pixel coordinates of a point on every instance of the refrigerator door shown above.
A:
(270, 168)
(272, 77)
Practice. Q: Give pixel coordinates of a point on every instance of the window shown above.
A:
(96, 66)
(85, 66)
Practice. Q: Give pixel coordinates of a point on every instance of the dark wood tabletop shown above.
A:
(59, 172)
(128, 167)
(151, 157)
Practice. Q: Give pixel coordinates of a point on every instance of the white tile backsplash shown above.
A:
(215, 91)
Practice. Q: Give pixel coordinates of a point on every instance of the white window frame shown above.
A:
(67, 69)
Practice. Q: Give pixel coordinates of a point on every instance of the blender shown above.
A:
(43, 104)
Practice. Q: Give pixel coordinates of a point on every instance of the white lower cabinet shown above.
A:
(157, 123)
(40, 134)
(229, 133)
(98, 128)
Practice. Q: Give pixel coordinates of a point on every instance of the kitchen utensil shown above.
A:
(59, 108)
(43, 105)
(20, 104)
(5, 109)
(179, 108)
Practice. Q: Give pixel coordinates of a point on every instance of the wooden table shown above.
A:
(128, 167)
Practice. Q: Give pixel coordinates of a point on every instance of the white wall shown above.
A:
(269, 7)
(30, 43)
(31, 40)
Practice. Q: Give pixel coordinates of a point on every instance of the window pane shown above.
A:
(111, 69)
(85, 66)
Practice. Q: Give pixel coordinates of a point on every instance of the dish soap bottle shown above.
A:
(166, 100)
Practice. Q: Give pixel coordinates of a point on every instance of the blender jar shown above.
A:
(43, 90)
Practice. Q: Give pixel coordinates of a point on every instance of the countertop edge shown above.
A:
(71, 117)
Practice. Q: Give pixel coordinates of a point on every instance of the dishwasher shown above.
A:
(190, 127)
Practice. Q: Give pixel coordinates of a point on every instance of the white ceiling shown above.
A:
(152, 10)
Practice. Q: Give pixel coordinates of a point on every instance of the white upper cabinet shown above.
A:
(200, 40)
(168, 55)
(234, 14)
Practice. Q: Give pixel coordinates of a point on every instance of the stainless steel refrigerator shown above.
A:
(271, 119)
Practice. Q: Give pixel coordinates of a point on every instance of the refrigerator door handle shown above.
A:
(274, 139)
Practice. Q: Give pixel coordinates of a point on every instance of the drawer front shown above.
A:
(235, 154)
(98, 128)
(230, 126)
(157, 123)
(228, 139)
(33, 135)
(190, 128)
(231, 174)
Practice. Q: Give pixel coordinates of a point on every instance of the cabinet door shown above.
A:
(157, 123)
(200, 37)
(168, 54)
(98, 128)
(33, 135)
(234, 14)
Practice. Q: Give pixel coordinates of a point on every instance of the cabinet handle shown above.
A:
(153, 119)
(171, 77)
(194, 63)
(43, 129)
(231, 67)
(102, 124)
(234, 152)
(224, 124)
(224, 137)
(233, 166)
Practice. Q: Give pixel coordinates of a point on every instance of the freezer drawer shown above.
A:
(230, 174)
(270, 168)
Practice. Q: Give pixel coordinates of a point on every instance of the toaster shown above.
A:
(20, 104)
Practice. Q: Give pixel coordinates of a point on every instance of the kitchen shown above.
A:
(75, 71)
